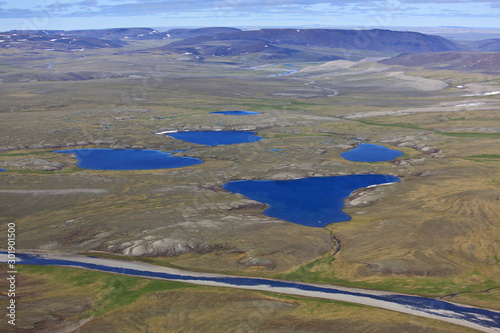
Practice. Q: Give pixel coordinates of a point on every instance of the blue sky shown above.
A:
(96, 14)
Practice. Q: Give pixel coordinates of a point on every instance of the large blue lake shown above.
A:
(367, 152)
(128, 159)
(235, 113)
(314, 201)
(216, 138)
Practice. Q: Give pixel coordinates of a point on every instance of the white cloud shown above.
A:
(376, 13)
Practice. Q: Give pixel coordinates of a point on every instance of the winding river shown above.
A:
(477, 318)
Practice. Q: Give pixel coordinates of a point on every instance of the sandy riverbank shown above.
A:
(353, 295)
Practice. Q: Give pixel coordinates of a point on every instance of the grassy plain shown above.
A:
(435, 233)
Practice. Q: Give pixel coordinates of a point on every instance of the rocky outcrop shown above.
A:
(251, 261)
(366, 196)
(33, 164)
(162, 247)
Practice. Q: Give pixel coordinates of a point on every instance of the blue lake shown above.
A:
(128, 159)
(3, 170)
(367, 152)
(235, 113)
(216, 138)
(313, 202)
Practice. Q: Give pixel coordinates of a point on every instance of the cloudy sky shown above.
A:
(95, 14)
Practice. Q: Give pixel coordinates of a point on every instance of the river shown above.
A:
(479, 319)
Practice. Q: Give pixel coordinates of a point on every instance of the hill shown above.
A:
(375, 40)
(466, 61)
(486, 45)
(191, 33)
(265, 44)
(53, 40)
(257, 50)
(68, 40)
(110, 34)
(310, 44)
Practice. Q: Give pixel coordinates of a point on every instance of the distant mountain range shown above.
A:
(71, 40)
(376, 40)
(380, 40)
(35, 40)
(309, 44)
(99, 37)
(265, 45)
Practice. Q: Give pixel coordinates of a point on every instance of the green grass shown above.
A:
(488, 156)
(123, 290)
(423, 286)
(40, 172)
(483, 158)
(471, 135)
(25, 154)
(400, 125)
(110, 290)
(454, 134)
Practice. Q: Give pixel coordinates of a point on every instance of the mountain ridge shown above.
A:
(375, 39)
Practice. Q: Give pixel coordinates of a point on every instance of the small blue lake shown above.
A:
(128, 159)
(367, 152)
(216, 138)
(235, 113)
(313, 202)
(3, 170)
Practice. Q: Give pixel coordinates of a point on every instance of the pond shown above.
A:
(235, 113)
(313, 201)
(367, 152)
(3, 170)
(216, 138)
(128, 159)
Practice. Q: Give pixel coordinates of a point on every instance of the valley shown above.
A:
(434, 233)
